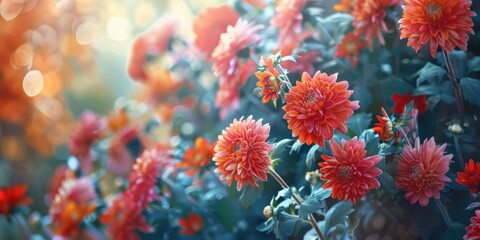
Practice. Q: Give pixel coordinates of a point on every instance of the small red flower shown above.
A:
(11, 197)
(197, 157)
(384, 127)
(470, 177)
(192, 224)
(350, 47)
(268, 81)
(473, 230)
(400, 102)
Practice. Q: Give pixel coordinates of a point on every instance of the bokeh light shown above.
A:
(33, 83)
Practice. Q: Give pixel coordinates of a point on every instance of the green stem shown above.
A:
(456, 86)
(459, 152)
(444, 212)
(23, 225)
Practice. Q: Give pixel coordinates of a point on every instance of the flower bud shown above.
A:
(268, 212)
(455, 128)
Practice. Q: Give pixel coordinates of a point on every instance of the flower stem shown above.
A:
(459, 152)
(444, 212)
(23, 225)
(404, 136)
(456, 86)
(298, 200)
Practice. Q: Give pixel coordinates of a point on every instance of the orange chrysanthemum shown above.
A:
(384, 127)
(241, 153)
(369, 19)
(473, 230)
(288, 18)
(344, 6)
(123, 218)
(268, 81)
(421, 171)
(444, 23)
(470, 177)
(349, 173)
(192, 224)
(400, 102)
(210, 24)
(316, 106)
(197, 157)
(350, 47)
(11, 197)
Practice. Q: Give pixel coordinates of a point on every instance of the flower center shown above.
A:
(344, 173)
(416, 170)
(272, 84)
(434, 11)
(351, 47)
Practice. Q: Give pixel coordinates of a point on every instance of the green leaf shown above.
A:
(474, 64)
(361, 93)
(337, 215)
(266, 226)
(387, 182)
(289, 225)
(358, 122)
(280, 146)
(311, 159)
(296, 147)
(429, 73)
(455, 232)
(372, 142)
(471, 90)
(310, 205)
(427, 90)
(250, 194)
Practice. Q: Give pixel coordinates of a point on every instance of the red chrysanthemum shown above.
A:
(11, 197)
(369, 19)
(470, 177)
(316, 106)
(268, 81)
(350, 47)
(421, 171)
(400, 102)
(473, 230)
(123, 218)
(210, 24)
(288, 18)
(192, 224)
(197, 157)
(349, 173)
(384, 127)
(444, 23)
(241, 153)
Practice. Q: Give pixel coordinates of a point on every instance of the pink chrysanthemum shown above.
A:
(241, 153)
(143, 178)
(444, 23)
(316, 106)
(369, 19)
(349, 173)
(229, 66)
(90, 129)
(60, 175)
(123, 218)
(288, 18)
(421, 171)
(473, 230)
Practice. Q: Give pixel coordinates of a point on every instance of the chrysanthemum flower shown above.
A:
(73, 202)
(268, 81)
(288, 18)
(210, 24)
(473, 230)
(400, 102)
(316, 106)
(143, 178)
(228, 64)
(369, 19)
(344, 6)
(123, 218)
(197, 157)
(192, 224)
(384, 127)
(444, 23)
(349, 173)
(350, 47)
(421, 171)
(11, 197)
(118, 120)
(60, 175)
(241, 153)
(470, 177)
(90, 129)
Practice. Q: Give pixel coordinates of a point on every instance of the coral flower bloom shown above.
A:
(400, 102)
(241, 153)
(210, 24)
(192, 224)
(369, 19)
(349, 173)
(268, 81)
(384, 127)
(350, 47)
(316, 106)
(288, 18)
(470, 177)
(197, 157)
(444, 23)
(473, 230)
(421, 171)
(123, 218)
(11, 197)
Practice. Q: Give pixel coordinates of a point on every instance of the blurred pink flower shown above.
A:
(120, 160)
(288, 18)
(421, 171)
(61, 174)
(90, 129)
(473, 230)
